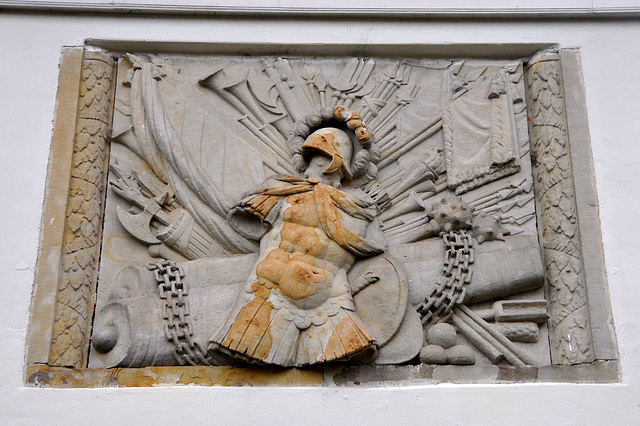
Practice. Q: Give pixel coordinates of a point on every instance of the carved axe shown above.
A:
(139, 225)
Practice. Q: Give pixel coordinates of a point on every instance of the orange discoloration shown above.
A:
(321, 235)
(262, 288)
(302, 239)
(302, 211)
(347, 339)
(61, 377)
(261, 205)
(300, 280)
(326, 144)
(250, 334)
(292, 267)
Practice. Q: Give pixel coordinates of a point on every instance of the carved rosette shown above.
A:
(569, 324)
(85, 208)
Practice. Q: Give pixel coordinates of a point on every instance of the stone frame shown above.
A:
(581, 328)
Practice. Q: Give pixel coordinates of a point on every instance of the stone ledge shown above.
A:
(61, 377)
(39, 375)
(378, 375)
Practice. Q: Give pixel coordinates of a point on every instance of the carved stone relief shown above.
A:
(319, 210)
(297, 212)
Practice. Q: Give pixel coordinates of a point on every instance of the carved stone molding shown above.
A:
(84, 214)
(570, 328)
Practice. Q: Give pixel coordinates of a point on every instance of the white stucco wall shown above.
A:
(30, 45)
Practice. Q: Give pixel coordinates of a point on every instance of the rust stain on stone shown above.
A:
(270, 376)
(326, 144)
(262, 204)
(145, 377)
(347, 339)
(62, 377)
(250, 332)
(313, 243)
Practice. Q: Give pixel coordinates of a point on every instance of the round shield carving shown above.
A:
(382, 304)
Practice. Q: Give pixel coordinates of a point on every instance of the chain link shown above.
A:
(450, 286)
(175, 311)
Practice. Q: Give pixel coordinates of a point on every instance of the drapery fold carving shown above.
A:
(161, 146)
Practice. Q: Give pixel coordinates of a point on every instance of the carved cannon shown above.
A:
(502, 268)
(134, 328)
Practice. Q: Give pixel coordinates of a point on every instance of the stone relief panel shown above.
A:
(321, 212)
(302, 211)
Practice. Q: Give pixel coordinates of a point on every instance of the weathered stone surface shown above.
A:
(570, 333)
(54, 209)
(596, 372)
(600, 372)
(57, 377)
(443, 335)
(433, 354)
(292, 116)
(460, 355)
(376, 161)
(406, 342)
(602, 331)
(376, 375)
(60, 377)
(83, 222)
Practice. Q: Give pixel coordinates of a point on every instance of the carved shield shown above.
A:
(382, 304)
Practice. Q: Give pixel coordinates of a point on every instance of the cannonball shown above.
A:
(155, 250)
(104, 339)
(442, 334)
(460, 355)
(433, 354)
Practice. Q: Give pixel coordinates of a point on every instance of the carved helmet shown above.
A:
(333, 143)
(354, 152)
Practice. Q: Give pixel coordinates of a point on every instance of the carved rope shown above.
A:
(569, 325)
(84, 215)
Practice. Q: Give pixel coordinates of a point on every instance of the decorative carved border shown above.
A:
(65, 284)
(76, 186)
(85, 210)
(569, 325)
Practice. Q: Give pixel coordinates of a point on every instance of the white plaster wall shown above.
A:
(30, 46)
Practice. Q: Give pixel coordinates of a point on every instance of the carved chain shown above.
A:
(450, 286)
(175, 311)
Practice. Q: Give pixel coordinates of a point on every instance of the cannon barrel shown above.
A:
(130, 329)
(500, 268)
